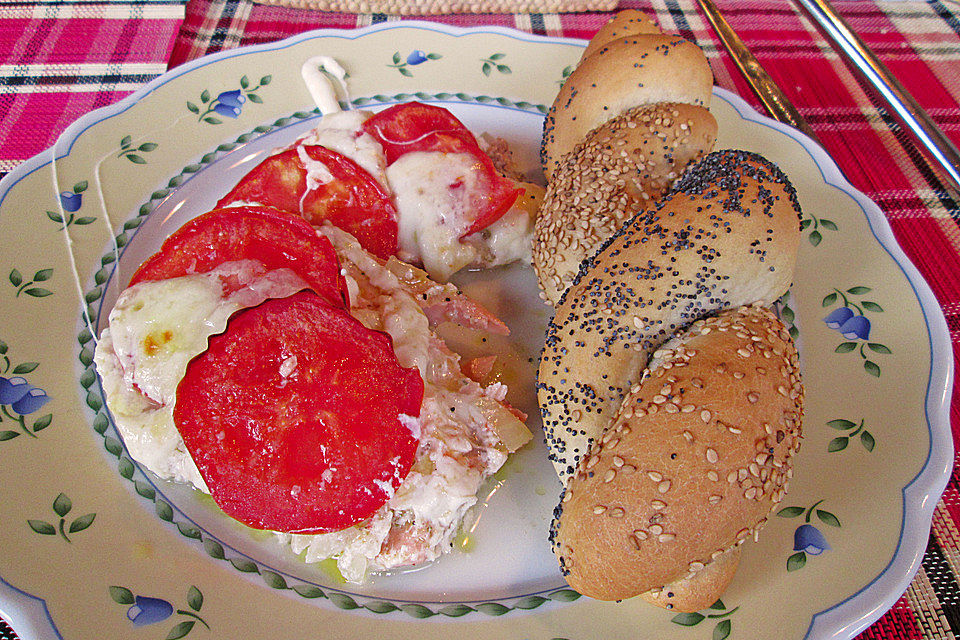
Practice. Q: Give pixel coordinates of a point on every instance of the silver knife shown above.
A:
(769, 93)
(899, 102)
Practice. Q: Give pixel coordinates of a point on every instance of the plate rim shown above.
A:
(843, 619)
(932, 479)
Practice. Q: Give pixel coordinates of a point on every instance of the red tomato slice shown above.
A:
(491, 201)
(276, 238)
(414, 126)
(353, 200)
(293, 416)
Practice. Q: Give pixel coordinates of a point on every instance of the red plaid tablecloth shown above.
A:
(61, 59)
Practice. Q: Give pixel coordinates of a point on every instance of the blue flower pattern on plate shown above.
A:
(851, 322)
(146, 610)
(808, 540)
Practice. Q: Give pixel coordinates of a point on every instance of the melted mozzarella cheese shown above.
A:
(155, 329)
(429, 191)
(342, 132)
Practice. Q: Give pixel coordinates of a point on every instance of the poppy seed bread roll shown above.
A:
(726, 235)
(623, 166)
(629, 22)
(698, 455)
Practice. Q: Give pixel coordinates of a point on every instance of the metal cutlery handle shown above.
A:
(772, 97)
(903, 106)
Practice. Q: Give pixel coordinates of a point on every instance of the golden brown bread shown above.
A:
(629, 22)
(666, 469)
(698, 590)
(623, 166)
(624, 73)
(727, 235)
(698, 455)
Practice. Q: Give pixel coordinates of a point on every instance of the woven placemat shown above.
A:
(423, 7)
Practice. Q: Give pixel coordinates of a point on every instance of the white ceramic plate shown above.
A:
(90, 546)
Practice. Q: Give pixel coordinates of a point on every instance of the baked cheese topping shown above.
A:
(156, 328)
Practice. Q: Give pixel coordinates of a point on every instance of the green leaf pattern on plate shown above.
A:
(493, 63)
(62, 505)
(855, 431)
(721, 617)
(29, 284)
(134, 153)
(814, 227)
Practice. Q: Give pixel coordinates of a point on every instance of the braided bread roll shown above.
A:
(726, 236)
(629, 119)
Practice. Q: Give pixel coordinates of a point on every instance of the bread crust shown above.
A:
(697, 457)
(621, 167)
(725, 236)
(624, 24)
(698, 590)
(624, 73)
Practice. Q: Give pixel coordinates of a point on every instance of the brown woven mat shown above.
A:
(423, 7)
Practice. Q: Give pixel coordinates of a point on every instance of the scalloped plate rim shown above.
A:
(928, 484)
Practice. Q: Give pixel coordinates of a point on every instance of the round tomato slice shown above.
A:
(298, 417)
(347, 196)
(275, 238)
(414, 126)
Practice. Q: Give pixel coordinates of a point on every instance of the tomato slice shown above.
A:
(352, 200)
(414, 126)
(294, 417)
(275, 238)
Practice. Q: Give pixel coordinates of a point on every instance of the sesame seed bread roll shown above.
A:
(726, 235)
(625, 73)
(697, 457)
(698, 590)
(629, 22)
(621, 167)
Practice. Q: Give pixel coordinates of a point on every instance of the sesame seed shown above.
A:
(666, 537)
(609, 475)
(664, 486)
(706, 415)
(715, 499)
(599, 509)
(653, 475)
(658, 504)
(712, 456)
(617, 512)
